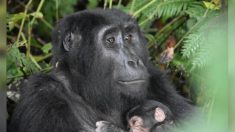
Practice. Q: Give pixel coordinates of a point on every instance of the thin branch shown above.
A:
(37, 11)
(119, 3)
(132, 6)
(30, 28)
(56, 9)
(110, 4)
(105, 3)
(34, 61)
(168, 25)
(46, 23)
(28, 53)
(165, 28)
(191, 29)
(41, 58)
(144, 7)
(23, 21)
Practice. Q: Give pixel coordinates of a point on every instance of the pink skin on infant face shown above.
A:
(136, 123)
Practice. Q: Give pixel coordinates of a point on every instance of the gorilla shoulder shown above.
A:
(42, 83)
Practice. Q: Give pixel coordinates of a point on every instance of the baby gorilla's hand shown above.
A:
(104, 126)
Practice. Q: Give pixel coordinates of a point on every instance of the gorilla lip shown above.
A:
(129, 82)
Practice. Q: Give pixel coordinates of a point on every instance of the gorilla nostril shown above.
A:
(135, 63)
(138, 62)
(131, 63)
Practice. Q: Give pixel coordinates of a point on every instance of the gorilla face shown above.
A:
(106, 48)
(120, 45)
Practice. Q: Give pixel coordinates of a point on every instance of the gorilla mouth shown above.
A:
(129, 82)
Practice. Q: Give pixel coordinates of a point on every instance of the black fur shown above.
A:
(145, 112)
(79, 91)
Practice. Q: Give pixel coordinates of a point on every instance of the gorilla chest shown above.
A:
(116, 117)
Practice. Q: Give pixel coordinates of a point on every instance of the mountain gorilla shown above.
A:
(101, 71)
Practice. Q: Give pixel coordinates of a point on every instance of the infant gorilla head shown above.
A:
(150, 116)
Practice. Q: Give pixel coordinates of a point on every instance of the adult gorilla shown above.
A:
(101, 71)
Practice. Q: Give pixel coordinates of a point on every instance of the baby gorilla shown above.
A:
(151, 116)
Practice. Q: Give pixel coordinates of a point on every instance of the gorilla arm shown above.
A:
(160, 89)
(44, 106)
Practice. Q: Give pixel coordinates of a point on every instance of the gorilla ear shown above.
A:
(71, 40)
(68, 41)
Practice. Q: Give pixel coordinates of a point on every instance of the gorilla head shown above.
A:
(104, 52)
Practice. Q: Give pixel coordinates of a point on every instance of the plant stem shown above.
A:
(34, 61)
(37, 11)
(144, 7)
(40, 58)
(47, 23)
(110, 4)
(23, 21)
(24, 39)
(168, 25)
(132, 6)
(56, 9)
(105, 3)
(28, 53)
(191, 29)
(119, 3)
(175, 23)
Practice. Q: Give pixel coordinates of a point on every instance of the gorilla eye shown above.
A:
(128, 37)
(110, 40)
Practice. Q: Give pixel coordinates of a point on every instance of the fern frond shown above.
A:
(161, 9)
(134, 5)
(196, 48)
(166, 8)
(200, 57)
(196, 10)
(191, 43)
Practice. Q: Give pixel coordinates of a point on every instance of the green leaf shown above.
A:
(15, 17)
(10, 25)
(191, 44)
(166, 8)
(46, 48)
(37, 14)
(18, 64)
(212, 6)
(136, 5)
(92, 4)
(196, 10)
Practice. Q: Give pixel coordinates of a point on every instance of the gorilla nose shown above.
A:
(135, 63)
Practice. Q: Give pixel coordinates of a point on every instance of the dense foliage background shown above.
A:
(177, 33)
